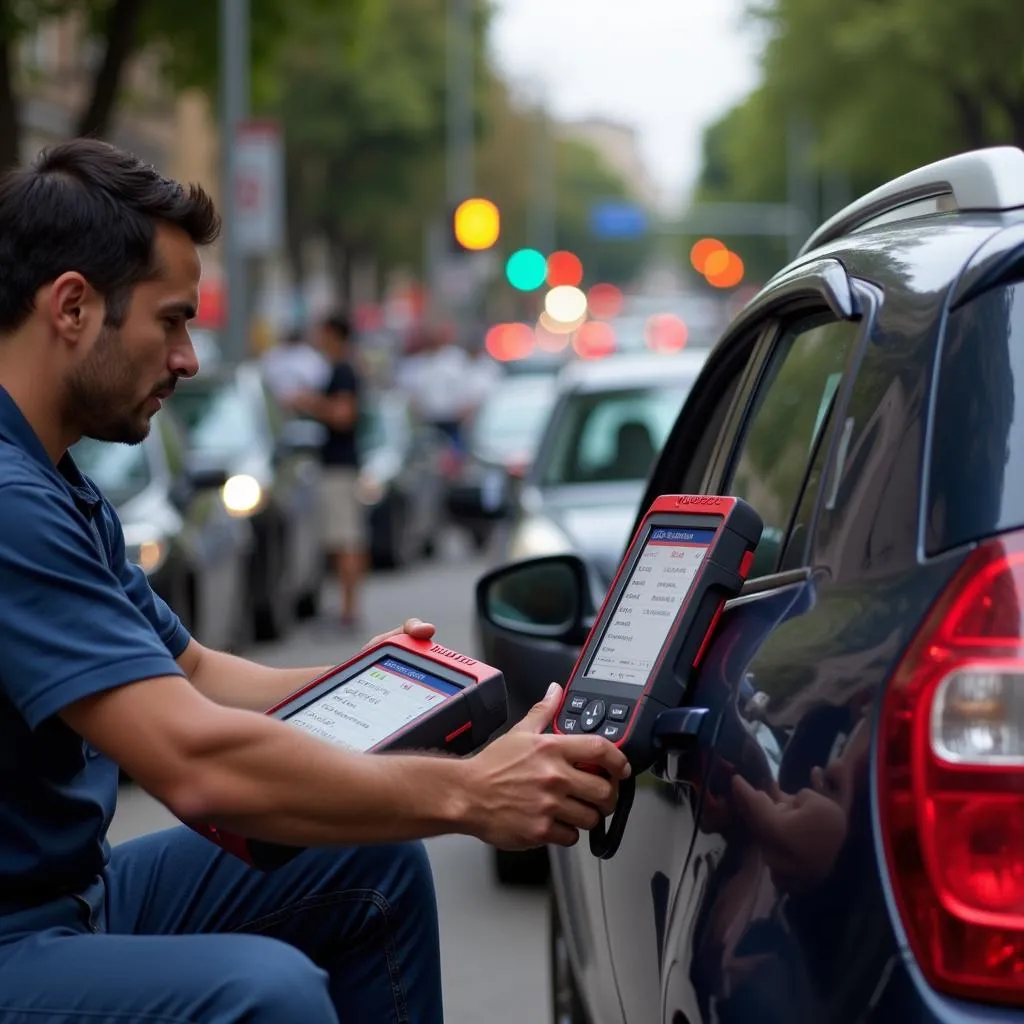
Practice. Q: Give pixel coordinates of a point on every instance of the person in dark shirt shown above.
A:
(342, 515)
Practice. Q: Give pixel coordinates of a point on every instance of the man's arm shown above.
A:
(264, 778)
(338, 411)
(239, 683)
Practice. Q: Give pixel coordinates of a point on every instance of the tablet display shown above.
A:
(373, 705)
(648, 604)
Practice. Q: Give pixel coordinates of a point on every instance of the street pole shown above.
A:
(460, 100)
(459, 125)
(234, 100)
(542, 209)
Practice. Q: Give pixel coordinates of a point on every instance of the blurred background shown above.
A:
(564, 200)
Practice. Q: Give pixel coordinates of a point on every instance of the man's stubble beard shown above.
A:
(100, 396)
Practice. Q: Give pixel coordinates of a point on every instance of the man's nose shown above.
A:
(184, 362)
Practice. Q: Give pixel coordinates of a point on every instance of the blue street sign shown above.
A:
(615, 219)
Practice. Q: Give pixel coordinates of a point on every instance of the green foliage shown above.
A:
(584, 179)
(886, 85)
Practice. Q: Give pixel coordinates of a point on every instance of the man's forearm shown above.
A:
(239, 683)
(267, 780)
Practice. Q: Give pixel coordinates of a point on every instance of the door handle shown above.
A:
(679, 729)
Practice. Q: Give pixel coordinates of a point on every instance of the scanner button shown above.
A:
(618, 712)
(593, 715)
(577, 702)
(569, 724)
(611, 732)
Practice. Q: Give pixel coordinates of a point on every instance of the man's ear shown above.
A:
(74, 307)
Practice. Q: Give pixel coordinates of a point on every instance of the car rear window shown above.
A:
(610, 436)
(976, 467)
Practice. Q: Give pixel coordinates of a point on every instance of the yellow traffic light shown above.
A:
(477, 224)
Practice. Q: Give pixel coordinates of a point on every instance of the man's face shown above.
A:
(117, 386)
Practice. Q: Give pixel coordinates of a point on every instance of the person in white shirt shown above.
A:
(293, 368)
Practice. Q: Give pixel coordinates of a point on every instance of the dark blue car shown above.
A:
(843, 840)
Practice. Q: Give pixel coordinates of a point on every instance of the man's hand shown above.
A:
(416, 628)
(526, 790)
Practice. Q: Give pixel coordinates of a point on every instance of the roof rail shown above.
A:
(988, 180)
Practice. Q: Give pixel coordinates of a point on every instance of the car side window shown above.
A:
(779, 447)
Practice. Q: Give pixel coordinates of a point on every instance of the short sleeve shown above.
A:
(68, 629)
(158, 613)
(343, 380)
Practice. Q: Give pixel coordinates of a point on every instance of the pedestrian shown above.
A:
(343, 516)
(99, 278)
(293, 366)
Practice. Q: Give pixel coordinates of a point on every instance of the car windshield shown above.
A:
(217, 418)
(512, 418)
(611, 436)
(120, 471)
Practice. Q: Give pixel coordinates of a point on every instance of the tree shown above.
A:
(885, 85)
(364, 130)
(185, 33)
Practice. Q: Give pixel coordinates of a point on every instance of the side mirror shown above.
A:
(549, 598)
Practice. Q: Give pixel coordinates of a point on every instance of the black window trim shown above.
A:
(867, 297)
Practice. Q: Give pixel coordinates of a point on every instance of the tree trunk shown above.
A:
(122, 25)
(341, 268)
(10, 126)
(972, 120)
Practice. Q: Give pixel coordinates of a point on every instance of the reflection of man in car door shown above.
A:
(337, 407)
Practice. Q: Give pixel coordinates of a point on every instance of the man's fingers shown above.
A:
(539, 717)
(419, 629)
(596, 790)
(578, 815)
(416, 628)
(563, 835)
(593, 750)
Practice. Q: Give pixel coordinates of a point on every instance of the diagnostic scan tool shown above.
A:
(690, 554)
(401, 695)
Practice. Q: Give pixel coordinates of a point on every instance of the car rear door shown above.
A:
(772, 451)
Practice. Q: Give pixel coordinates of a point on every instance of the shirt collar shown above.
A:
(17, 430)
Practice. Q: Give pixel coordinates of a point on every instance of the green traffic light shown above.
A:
(526, 269)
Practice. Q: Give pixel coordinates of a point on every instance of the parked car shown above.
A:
(235, 427)
(842, 839)
(500, 446)
(400, 480)
(608, 422)
(176, 528)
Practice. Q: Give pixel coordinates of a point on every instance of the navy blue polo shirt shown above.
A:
(76, 618)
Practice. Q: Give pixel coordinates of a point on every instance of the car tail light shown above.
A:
(951, 781)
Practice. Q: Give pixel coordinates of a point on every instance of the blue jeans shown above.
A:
(179, 932)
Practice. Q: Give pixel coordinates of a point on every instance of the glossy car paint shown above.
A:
(723, 905)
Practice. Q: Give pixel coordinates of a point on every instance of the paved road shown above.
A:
(493, 940)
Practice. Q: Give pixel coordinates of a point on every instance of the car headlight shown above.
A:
(538, 536)
(145, 546)
(242, 494)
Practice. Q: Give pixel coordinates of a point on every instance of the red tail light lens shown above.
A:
(951, 781)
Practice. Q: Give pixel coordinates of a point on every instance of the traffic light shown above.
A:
(476, 225)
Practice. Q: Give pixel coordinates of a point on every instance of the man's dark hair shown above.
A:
(339, 324)
(87, 206)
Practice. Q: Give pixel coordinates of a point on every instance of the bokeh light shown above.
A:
(702, 250)
(509, 342)
(526, 269)
(727, 276)
(666, 332)
(594, 340)
(477, 224)
(564, 270)
(551, 336)
(553, 326)
(604, 301)
(566, 304)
